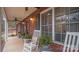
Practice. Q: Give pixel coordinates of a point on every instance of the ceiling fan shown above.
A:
(16, 20)
(37, 7)
(26, 8)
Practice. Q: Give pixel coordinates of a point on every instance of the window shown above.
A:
(66, 19)
(46, 23)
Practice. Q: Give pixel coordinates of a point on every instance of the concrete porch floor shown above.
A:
(13, 45)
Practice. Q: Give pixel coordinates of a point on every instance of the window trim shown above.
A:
(53, 24)
(41, 19)
(53, 27)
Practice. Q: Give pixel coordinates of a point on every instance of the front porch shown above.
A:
(16, 45)
(52, 22)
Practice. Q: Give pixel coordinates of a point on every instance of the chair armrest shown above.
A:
(29, 44)
(27, 40)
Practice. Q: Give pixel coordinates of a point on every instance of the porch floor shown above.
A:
(13, 45)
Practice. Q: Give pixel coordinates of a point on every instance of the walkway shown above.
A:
(13, 45)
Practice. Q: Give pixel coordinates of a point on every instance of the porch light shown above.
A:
(31, 19)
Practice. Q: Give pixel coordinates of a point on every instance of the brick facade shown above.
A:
(56, 47)
(32, 25)
(29, 25)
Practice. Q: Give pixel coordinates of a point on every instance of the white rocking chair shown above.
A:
(71, 42)
(32, 45)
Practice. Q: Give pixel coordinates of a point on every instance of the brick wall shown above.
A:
(32, 25)
(29, 24)
(56, 47)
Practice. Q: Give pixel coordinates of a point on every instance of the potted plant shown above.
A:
(19, 34)
(27, 36)
(44, 41)
(24, 35)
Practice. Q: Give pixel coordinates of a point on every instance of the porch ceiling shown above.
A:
(19, 12)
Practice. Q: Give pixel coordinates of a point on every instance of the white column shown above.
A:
(53, 25)
(6, 24)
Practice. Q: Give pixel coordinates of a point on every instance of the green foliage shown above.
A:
(44, 40)
(1, 38)
(25, 36)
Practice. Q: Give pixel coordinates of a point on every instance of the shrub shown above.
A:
(44, 40)
(26, 36)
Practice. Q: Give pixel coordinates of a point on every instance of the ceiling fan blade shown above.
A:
(26, 8)
(37, 7)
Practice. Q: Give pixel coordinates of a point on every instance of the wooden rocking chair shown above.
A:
(71, 43)
(33, 45)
